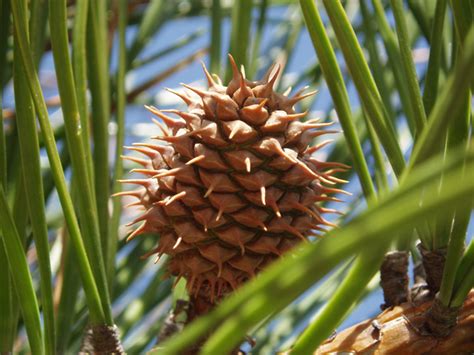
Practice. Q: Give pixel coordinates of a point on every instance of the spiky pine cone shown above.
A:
(234, 185)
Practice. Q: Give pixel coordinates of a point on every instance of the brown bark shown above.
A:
(101, 340)
(441, 319)
(433, 262)
(402, 330)
(394, 278)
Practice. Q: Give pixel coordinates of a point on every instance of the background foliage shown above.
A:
(395, 75)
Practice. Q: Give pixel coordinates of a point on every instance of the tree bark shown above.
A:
(394, 278)
(101, 340)
(402, 330)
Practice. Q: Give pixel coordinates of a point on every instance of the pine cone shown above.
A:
(234, 185)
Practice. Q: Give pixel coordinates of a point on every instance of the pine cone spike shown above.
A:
(232, 184)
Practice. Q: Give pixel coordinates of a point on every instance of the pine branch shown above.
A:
(402, 330)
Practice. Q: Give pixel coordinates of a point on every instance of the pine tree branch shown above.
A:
(401, 330)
